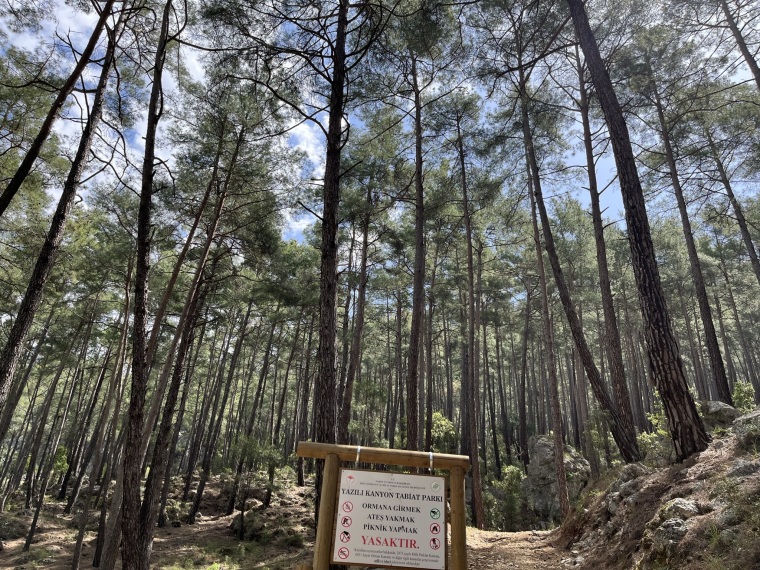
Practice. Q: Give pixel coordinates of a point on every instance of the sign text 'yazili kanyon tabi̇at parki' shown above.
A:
(391, 519)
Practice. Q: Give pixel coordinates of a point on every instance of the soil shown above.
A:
(211, 543)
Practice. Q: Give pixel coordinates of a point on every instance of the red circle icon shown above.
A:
(345, 536)
(435, 544)
(435, 528)
(343, 553)
(346, 521)
(348, 506)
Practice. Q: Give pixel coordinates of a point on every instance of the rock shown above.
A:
(629, 488)
(540, 486)
(718, 414)
(667, 535)
(747, 429)
(727, 537)
(682, 509)
(632, 471)
(727, 518)
(613, 503)
(743, 468)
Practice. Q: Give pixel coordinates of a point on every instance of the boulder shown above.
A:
(539, 488)
(747, 429)
(679, 509)
(718, 414)
(667, 535)
(743, 468)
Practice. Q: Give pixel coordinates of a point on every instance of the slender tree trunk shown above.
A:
(356, 341)
(559, 447)
(686, 427)
(325, 385)
(741, 42)
(418, 282)
(738, 211)
(472, 383)
(612, 333)
(711, 337)
(522, 408)
(33, 297)
(133, 557)
(46, 128)
(622, 430)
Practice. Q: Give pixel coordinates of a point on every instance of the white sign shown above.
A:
(391, 519)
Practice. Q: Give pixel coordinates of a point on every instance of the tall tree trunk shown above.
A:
(622, 430)
(418, 282)
(46, 128)
(325, 385)
(472, 382)
(559, 447)
(133, 557)
(686, 427)
(711, 337)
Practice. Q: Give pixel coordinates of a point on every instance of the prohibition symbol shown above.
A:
(435, 528)
(435, 514)
(346, 521)
(343, 553)
(435, 544)
(348, 506)
(345, 536)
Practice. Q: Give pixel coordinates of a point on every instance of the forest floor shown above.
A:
(285, 540)
(702, 514)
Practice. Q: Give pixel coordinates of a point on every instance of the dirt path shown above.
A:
(210, 544)
(526, 550)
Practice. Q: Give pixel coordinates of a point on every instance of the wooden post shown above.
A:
(334, 454)
(327, 506)
(458, 531)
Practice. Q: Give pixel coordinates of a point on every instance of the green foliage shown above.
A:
(656, 446)
(504, 500)
(61, 464)
(744, 397)
(444, 434)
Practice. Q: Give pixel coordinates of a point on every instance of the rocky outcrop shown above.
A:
(539, 488)
(718, 414)
(747, 429)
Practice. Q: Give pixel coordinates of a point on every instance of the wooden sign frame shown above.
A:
(394, 567)
(334, 454)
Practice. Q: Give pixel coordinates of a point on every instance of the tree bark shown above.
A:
(685, 425)
(47, 125)
(624, 434)
(720, 381)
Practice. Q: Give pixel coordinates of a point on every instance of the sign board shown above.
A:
(393, 520)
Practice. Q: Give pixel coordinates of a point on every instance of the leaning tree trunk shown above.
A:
(33, 297)
(612, 340)
(741, 42)
(741, 221)
(623, 432)
(686, 427)
(46, 128)
(711, 337)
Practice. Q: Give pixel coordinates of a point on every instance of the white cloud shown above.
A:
(308, 138)
(296, 223)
